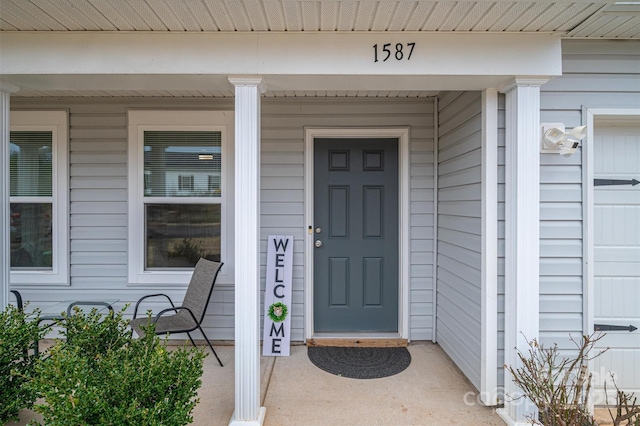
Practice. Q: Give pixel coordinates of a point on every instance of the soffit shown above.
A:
(578, 18)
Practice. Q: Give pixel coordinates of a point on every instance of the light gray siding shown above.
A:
(282, 203)
(459, 230)
(98, 209)
(98, 199)
(597, 74)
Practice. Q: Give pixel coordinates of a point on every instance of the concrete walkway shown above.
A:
(431, 391)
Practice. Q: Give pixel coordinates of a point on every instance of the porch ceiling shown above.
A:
(223, 93)
(577, 18)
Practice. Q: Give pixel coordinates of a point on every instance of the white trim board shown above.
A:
(436, 162)
(402, 134)
(489, 263)
(202, 61)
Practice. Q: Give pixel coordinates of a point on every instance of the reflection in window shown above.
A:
(185, 183)
(182, 188)
(30, 183)
(180, 234)
(179, 164)
(31, 236)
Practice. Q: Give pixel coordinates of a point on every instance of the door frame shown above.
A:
(402, 135)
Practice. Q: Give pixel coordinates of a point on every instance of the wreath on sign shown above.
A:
(278, 312)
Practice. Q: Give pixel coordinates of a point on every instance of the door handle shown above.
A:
(318, 243)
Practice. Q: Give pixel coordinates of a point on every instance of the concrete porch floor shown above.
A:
(431, 391)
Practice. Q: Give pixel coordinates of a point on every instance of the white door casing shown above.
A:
(402, 134)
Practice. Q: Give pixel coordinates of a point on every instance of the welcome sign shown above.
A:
(276, 336)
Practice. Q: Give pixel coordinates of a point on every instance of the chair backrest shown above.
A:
(201, 287)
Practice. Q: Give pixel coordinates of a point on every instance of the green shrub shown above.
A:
(102, 376)
(18, 332)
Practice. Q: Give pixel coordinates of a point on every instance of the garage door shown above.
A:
(616, 159)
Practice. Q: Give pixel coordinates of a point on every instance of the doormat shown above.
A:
(360, 363)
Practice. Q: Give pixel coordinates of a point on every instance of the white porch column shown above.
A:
(5, 249)
(247, 252)
(522, 233)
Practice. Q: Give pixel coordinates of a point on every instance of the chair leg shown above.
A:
(212, 350)
(190, 338)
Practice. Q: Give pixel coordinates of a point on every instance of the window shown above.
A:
(213, 182)
(38, 197)
(178, 213)
(185, 183)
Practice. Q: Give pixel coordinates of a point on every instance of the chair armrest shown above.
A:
(135, 312)
(175, 309)
(18, 296)
(89, 303)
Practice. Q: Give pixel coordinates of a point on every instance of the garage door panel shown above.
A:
(617, 269)
(617, 225)
(616, 244)
(616, 150)
(617, 196)
(626, 375)
(618, 254)
(617, 298)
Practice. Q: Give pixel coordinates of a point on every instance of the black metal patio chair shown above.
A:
(188, 316)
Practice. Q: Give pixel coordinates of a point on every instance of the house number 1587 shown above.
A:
(399, 51)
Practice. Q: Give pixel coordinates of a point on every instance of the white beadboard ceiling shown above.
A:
(578, 18)
(592, 19)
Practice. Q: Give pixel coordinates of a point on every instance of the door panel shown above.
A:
(356, 212)
(617, 257)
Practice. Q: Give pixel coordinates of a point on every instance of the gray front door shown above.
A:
(356, 220)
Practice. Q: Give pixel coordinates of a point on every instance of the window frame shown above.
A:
(140, 121)
(58, 123)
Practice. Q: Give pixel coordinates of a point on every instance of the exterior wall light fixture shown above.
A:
(556, 140)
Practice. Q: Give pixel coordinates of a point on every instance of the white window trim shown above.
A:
(57, 123)
(139, 121)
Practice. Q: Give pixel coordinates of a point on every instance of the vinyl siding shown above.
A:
(98, 210)
(597, 74)
(98, 198)
(282, 203)
(459, 229)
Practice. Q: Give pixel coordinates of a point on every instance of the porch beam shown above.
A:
(522, 234)
(247, 252)
(5, 249)
(338, 61)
